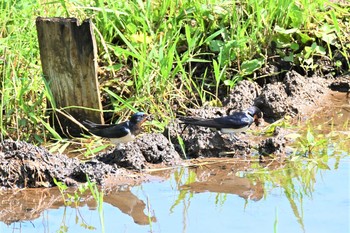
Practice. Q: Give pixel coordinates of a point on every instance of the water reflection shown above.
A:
(221, 178)
(291, 201)
(28, 204)
(294, 198)
(129, 204)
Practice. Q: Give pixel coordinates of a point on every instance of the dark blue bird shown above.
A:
(118, 133)
(233, 123)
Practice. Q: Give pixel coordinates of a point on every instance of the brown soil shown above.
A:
(26, 165)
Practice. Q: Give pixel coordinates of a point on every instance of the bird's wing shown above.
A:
(108, 131)
(89, 124)
(236, 121)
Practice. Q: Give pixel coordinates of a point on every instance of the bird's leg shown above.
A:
(233, 137)
(118, 146)
(186, 125)
(226, 153)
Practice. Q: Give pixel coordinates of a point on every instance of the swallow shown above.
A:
(118, 133)
(234, 123)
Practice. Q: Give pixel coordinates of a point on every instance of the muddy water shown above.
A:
(214, 195)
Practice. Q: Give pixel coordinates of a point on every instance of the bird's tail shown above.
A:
(190, 120)
(89, 124)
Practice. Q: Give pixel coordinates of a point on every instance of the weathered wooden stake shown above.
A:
(68, 56)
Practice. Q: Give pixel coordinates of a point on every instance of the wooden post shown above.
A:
(68, 56)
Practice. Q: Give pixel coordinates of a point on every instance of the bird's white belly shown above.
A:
(125, 139)
(230, 130)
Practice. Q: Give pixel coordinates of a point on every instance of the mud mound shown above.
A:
(204, 142)
(128, 156)
(25, 165)
(95, 170)
(272, 145)
(156, 148)
(243, 95)
(148, 148)
(290, 96)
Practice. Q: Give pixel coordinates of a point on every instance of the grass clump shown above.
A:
(165, 56)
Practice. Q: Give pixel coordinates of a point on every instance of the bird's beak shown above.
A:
(145, 118)
(257, 119)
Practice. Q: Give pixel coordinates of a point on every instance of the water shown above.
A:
(301, 196)
(327, 209)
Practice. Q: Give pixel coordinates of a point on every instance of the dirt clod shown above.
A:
(290, 96)
(25, 165)
(128, 156)
(243, 95)
(273, 101)
(148, 148)
(156, 148)
(272, 145)
(204, 142)
(96, 171)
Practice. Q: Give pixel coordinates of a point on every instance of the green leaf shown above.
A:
(248, 67)
(320, 50)
(294, 46)
(338, 63)
(96, 150)
(329, 38)
(124, 102)
(229, 82)
(216, 45)
(285, 31)
(289, 58)
(47, 126)
(296, 16)
(212, 36)
(310, 137)
(305, 37)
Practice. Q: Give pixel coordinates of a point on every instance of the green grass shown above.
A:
(160, 54)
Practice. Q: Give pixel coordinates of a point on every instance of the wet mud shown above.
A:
(145, 150)
(294, 95)
(25, 165)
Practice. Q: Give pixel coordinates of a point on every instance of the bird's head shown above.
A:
(256, 113)
(138, 118)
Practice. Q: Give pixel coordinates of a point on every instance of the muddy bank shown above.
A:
(294, 95)
(25, 165)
